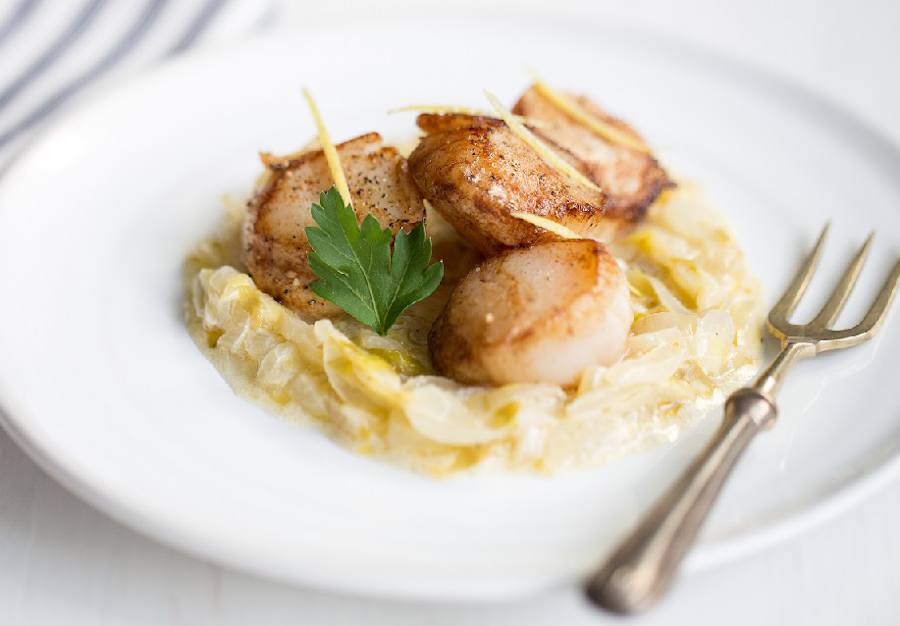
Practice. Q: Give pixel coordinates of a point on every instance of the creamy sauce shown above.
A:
(696, 337)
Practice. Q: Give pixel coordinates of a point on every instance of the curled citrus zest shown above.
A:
(547, 224)
(549, 157)
(331, 155)
(576, 112)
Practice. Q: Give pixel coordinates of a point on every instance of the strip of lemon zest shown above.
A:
(443, 108)
(547, 224)
(331, 155)
(572, 109)
(549, 157)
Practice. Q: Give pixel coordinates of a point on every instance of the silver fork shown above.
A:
(644, 565)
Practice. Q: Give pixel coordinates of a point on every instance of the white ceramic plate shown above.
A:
(101, 384)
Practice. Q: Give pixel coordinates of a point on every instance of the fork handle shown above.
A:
(644, 565)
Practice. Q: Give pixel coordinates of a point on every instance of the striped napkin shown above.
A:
(53, 52)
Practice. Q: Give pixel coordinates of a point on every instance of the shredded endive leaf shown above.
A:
(696, 337)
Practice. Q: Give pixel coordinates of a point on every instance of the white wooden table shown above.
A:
(61, 562)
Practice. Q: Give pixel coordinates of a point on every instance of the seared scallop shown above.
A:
(476, 173)
(538, 314)
(275, 244)
(630, 178)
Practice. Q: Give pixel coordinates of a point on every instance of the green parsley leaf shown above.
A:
(356, 269)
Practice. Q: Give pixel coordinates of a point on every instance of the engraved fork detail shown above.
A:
(644, 565)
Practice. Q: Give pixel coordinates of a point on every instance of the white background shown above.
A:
(63, 562)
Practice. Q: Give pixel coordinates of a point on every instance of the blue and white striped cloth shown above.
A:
(54, 51)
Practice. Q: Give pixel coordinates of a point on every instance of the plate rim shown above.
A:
(703, 557)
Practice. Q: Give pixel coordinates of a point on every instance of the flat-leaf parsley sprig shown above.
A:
(356, 269)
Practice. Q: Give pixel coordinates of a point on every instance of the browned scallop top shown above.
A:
(275, 244)
(519, 297)
(538, 287)
(631, 179)
(476, 172)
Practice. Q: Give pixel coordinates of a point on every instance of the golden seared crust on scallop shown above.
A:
(476, 172)
(275, 244)
(631, 179)
(442, 122)
(538, 314)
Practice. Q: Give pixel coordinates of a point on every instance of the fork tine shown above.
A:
(788, 302)
(841, 293)
(873, 319)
